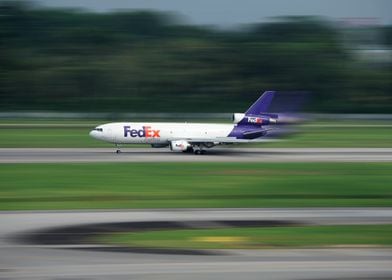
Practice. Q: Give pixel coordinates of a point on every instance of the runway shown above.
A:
(218, 154)
(30, 261)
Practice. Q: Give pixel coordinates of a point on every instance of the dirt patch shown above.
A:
(84, 234)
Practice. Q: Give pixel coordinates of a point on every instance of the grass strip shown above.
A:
(256, 237)
(183, 185)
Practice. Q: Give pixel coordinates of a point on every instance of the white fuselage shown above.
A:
(158, 133)
(188, 137)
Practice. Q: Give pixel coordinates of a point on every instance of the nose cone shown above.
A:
(93, 134)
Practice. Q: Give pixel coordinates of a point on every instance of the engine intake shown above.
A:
(237, 117)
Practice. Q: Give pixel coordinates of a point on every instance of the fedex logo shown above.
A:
(255, 120)
(145, 132)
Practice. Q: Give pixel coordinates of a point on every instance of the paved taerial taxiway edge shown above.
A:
(219, 154)
(27, 261)
(21, 261)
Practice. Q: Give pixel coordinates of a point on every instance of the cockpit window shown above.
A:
(98, 129)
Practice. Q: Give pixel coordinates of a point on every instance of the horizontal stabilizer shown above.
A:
(255, 133)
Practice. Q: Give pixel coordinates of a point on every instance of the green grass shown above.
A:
(255, 237)
(170, 185)
(47, 138)
(73, 134)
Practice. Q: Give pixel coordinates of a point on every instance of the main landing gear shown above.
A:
(198, 150)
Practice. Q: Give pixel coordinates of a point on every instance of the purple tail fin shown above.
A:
(261, 105)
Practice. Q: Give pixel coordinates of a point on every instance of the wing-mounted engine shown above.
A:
(180, 146)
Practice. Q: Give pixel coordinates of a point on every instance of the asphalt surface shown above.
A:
(65, 262)
(218, 154)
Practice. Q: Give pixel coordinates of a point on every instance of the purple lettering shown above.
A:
(141, 133)
(146, 131)
(127, 129)
(133, 133)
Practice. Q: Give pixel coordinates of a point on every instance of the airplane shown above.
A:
(248, 127)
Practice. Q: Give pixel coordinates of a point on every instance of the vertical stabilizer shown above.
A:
(261, 105)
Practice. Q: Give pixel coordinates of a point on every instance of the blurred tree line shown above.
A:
(144, 61)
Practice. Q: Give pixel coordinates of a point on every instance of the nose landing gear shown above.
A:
(118, 151)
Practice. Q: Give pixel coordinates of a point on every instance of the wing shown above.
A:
(225, 140)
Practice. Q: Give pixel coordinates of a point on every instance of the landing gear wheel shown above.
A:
(118, 149)
(200, 152)
(189, 150)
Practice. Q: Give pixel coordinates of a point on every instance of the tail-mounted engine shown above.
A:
(237, 117)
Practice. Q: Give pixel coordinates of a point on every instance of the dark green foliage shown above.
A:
(72, 60)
